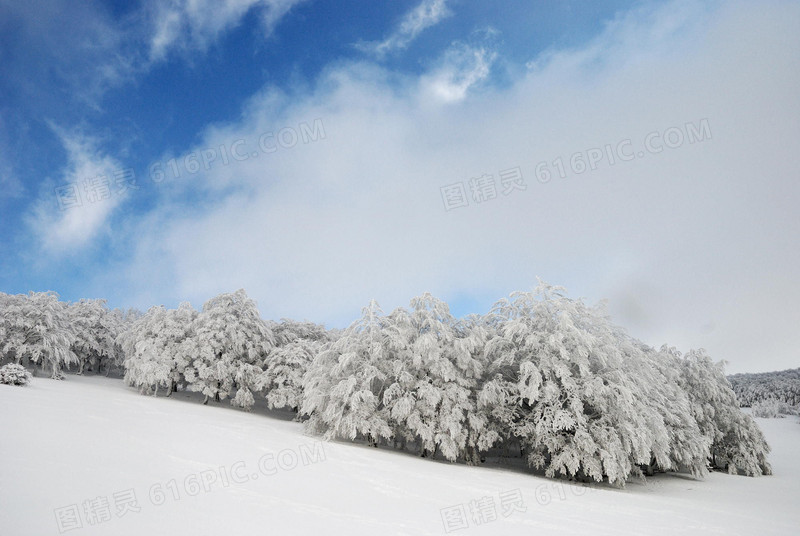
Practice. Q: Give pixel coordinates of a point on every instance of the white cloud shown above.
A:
(462, 67)
(194, 24)
(696, 245)
(428, 13)
(65, 228)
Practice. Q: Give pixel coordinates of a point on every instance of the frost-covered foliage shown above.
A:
(344, 387)
(36, 328)
(411, 376)
(783, 386)
(227, 349)
(736, 441)
(658, 375)
(296, 345)
(582, 398)
(432, 379)
(155, 348)
(95, 330)
(542, 373)
(13, 374)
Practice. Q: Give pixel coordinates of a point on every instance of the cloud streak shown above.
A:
(67, 232)
(425, 15)
(462, 68)
(192, 25)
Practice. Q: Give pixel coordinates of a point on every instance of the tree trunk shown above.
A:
(426, 454)
(57, 375)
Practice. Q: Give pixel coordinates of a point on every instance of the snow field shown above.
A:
(77, 451)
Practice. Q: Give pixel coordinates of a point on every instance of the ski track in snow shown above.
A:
(67, 442)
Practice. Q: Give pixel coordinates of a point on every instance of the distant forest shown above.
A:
(782, 386)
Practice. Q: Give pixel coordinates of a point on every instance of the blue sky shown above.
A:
(320, 154)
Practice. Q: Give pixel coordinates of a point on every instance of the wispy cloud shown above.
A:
(428, 13)
(194, 24)
(462, 67)
(83, 50)
(64, 232)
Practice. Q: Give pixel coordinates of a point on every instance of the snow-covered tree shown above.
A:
(657, 374)
(230, 343)
(736, 441)
(11, 332)
(561, 385)
(96, 329)
(14, 374)
(411, 376)
(296, 345)
(36, 328)
(345, 384)
(434, 376)
(155, 348)
(145, 366)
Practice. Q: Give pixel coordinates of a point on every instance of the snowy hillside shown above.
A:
(89, 456)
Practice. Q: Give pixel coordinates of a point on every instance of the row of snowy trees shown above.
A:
(38, 328)
(224, 351)
(782, 386)
(541, 373)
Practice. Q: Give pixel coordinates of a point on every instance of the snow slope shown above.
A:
(87, 446)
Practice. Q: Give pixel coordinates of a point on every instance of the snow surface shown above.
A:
(63, 443)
